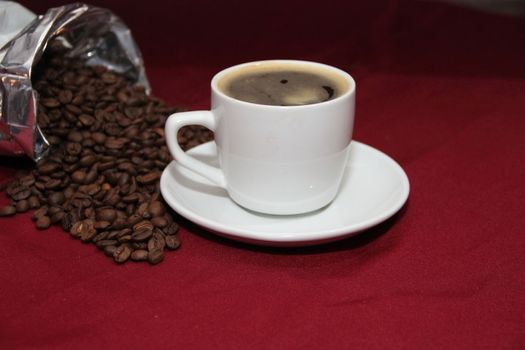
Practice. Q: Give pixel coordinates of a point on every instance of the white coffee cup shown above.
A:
(274, 159)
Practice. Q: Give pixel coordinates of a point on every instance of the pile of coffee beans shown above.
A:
(100, 180)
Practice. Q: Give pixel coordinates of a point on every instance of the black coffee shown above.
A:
(282, 86)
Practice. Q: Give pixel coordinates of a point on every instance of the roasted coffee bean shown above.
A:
(172, 242)
(107, 214)
(56, 198)
(53, 184)
(65, 96)
(119, 224)
(106, 242)
(36, 192)
(75, 136)
(53, 210)
(139, 255)
(60, 174)
(8, 210)
(142, 234)
(22, 206)
(68, 220)
(100, 225)
(92, 175)
(142, 210)
(89, 213)
(109, 78)
(122, 96)
(156, 208)
(133, 186)
(73, 148)
(83, 229)
(113, 234)
(40, 212)
(50, 102)
(172, 228)
(148, 178)
(125, 231)
(124, 122)
(46, 168)
(21, 193)
(73, 108)
(100, 236)
(99, 137)
(79, 176)
(125, 238)
(86, 119)
(159, 222)
(70, 161)
(133, 113)
(87, 160)
(106, 165)
(128, 167)
(77, 100)
(130, 209)
(115, 143)
(88, 234)
(12, 188)
(43, 222)
(109, 250)
(27, 180)
(155, 256)
(124, 179)
(122, 253)
(131, 198)
(139, 245)
(156, 242)
(134, 219)
(57, 217)
(112, 129)
(71, 167)
(92, 189)
(143, 225)
(88, 143)
(33, 202)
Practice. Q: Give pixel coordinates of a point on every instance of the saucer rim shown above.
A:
(287, 238)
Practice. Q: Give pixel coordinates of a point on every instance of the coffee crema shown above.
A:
(282, 84)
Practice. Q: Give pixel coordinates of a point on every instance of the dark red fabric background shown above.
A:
(440, 88)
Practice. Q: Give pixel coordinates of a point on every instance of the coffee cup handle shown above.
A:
(173, 125)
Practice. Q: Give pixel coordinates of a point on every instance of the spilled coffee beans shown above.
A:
(100, 180)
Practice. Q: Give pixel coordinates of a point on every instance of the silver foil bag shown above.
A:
(89, 33)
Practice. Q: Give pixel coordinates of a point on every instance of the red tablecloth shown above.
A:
(440, 88)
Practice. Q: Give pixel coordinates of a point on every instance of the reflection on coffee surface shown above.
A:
(281, 86)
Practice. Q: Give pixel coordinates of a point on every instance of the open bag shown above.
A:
(90, 33)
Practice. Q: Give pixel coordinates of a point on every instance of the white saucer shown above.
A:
(374, 188)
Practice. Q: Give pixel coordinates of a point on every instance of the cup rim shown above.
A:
(345, 75)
